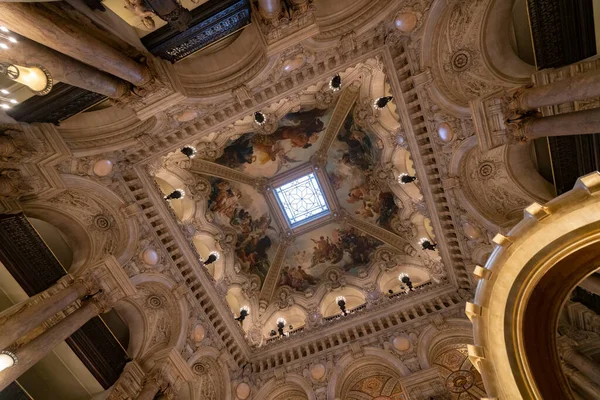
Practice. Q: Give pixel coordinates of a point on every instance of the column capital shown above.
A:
(109, 276)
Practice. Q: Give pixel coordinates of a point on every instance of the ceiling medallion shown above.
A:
(154, 302)
(486, 170)
(460, 381)
(461, 60)
(102, 222)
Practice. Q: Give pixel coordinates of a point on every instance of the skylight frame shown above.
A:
(293, 216)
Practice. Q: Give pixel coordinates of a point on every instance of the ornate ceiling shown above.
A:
(415, 51)
(369, 236)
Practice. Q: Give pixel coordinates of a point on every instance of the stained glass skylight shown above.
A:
(302, 200)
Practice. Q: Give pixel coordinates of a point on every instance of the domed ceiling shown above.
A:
(306, 199)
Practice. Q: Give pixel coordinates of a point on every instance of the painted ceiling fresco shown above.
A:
(332, 245)
(294, 142)
(242, 208)
(352, 159)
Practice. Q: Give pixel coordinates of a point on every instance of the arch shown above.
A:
(543, 257)
(349, 363)
(454, 47)
(433, 340)
(294, 315)
(89, 216)
(210, 381)
(499, 53)
(293, 385)
(389, 279)
(353, 296)
(368, 378)
(209, 75)
(164, 316)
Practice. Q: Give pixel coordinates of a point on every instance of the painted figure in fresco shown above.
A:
(296, 278)
(253, 233)
(301, 130)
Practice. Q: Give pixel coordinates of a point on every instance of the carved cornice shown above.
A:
(270, 283)
(212, 169)
(342, 108)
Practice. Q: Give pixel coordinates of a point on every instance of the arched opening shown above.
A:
(370, 379)
(56, 241)
(526, 282)
(353, 298)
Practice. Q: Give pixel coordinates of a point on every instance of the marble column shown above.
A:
(582, 384)
(38, 348)
(578, 87)
(151, 387)
(575, 123)
(27, 318)
(65, 36)
(65, 69)
(270, 9)
(583, 364)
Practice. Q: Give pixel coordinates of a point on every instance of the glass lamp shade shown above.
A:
(7, 360)
(35, 78)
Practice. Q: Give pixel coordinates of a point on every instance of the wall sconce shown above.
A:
(335, 84)
(404, 278)
(175, 195)
(382, 102)
(189, 151)
(260, 118)
(36, 78)
(341, 302)
(405, 178)
(280, 325)
(427, 245)
(7, 360)
(212, 257)
(244, 312)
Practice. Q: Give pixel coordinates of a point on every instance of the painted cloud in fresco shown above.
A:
(333, 245)
(294, 142)
(352, 159)
(242, 208)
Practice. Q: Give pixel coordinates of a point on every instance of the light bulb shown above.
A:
(12, 39)
(13, 101)
(4, 29)
(3, 46)
(5, 106)
(7, 360)
(4, 91)
(32, 77)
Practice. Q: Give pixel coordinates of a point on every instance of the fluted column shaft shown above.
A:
(575, 123)
(38, 348)
(64, 69)
(586, 387)
(150, 390)
(578, 87)
(27, 318)
(61, 34)
(583, 364)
